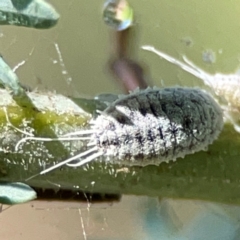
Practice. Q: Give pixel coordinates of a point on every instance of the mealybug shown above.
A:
(149, 127)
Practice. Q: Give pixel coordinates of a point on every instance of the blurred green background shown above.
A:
(84, 41)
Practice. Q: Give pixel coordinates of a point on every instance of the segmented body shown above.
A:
(223, 85)
(156, 125)
(148, 127)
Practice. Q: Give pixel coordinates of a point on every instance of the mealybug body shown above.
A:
(151, 126)
(164, 123)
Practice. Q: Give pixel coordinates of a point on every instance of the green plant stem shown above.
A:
(212, 175)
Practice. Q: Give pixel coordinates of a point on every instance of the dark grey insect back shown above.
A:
(156, 125)
(151, 126)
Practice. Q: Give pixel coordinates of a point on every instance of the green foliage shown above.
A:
(16, 192)
(28, 13)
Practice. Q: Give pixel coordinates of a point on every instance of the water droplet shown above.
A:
(118, 14)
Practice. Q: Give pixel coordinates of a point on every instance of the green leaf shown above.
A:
(8, 79)
(14, 193)
(28, 13)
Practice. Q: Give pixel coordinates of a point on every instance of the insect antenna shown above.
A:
(18, 129)
(90, 151)
(80, 163)
(45, 139)
(82, 132)
(88, 159)
(66, 137)
(192, 68)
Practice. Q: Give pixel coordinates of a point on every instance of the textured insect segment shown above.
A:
(168, 123)
(151, 126)
(226, 86)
